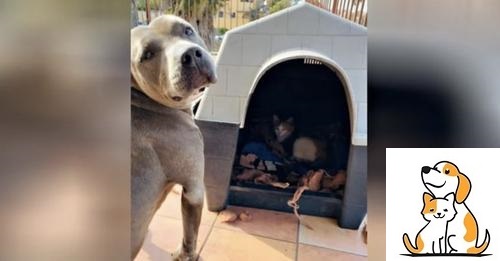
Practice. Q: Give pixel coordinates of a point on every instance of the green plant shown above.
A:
(222, 31)
(279, 5)
(199, 13)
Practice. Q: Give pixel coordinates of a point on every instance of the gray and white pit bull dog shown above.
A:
(170, 70)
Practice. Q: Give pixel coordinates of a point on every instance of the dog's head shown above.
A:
(169, 62)
(444, 178)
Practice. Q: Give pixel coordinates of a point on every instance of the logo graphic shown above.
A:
(451, 229)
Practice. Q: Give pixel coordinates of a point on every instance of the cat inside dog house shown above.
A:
(296, 136)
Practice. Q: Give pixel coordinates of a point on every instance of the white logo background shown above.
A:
(404, 193)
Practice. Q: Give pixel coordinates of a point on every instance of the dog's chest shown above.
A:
(175, 139)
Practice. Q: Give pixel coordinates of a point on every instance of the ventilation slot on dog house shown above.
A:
(312, 61)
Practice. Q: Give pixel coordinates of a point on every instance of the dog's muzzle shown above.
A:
(427, 169)
(195, 58)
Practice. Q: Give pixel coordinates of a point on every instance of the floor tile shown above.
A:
(266, 223)
(171, 207)
(307, 253)
(164, 237)
(326, 233)
(228, 245)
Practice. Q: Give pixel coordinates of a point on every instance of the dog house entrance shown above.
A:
(296, 132)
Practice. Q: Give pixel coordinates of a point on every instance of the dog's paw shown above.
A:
(181, 255)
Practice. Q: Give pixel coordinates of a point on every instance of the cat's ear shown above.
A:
(450, 197)
(463, 188)
(276, 119)
(290, 120)
(427, 197)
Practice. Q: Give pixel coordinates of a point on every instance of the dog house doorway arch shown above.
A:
(305, 54)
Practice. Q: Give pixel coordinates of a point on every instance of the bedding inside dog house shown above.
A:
(302, 62)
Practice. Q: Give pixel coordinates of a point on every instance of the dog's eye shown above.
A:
(447, 171)
(146, 55)
(432, 210)
(188, 31)
(445, 210)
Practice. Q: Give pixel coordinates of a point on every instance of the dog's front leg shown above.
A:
(192, 205)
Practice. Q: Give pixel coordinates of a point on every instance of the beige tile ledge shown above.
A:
(266, 223)
(307, 252)
(227, 245)
(327, 234)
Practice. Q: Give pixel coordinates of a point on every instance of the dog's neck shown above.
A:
(141, 100)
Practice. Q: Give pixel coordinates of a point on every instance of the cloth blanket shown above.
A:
(256, 155)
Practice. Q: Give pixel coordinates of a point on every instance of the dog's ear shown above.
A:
(463, 188)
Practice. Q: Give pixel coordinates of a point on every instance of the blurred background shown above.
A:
(434, 69)
(64, 130)
(433, 81)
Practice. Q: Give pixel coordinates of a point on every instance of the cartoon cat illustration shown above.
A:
(431, 239)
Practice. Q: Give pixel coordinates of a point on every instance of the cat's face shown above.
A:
(283, 129)
(439, 208)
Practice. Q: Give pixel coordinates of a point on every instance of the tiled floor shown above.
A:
(270, 235)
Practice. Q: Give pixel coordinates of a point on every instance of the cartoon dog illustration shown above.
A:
(462, 232)
(431, 238)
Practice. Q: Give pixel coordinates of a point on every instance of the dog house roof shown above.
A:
(301, 31)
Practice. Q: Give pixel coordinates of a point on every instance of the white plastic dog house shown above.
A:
(305, 33)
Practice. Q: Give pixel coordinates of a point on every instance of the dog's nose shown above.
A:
(191, 56)
(439, 214)
(426, 169)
